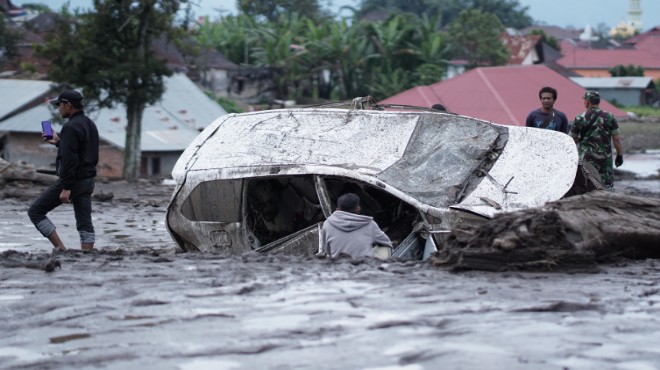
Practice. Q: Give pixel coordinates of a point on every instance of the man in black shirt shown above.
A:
(547, 116)
(77, 156)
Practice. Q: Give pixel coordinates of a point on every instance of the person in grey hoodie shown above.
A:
(347, 231)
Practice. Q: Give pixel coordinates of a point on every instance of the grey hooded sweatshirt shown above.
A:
(352, 234)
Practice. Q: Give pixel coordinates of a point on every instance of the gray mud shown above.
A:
(135, 304)
(146, 309)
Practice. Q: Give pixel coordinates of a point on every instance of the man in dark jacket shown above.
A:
(547, 116)
(348, 232)
(77, 156)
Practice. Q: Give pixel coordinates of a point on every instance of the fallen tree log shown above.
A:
(574, 231)
(17, 172)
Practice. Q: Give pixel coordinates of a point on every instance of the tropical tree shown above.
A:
(272, 10)
(233, 36)
(550, 40)
(278, 47)
(510, 12)
(475, 36)
(9, 39)
(108, 54)
(432, 50)
(621, 70)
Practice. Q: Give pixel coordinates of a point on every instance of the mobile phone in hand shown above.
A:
(47, 128)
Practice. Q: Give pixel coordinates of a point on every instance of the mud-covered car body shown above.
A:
(265, 181)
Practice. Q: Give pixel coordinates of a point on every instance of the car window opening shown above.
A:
(280, 206)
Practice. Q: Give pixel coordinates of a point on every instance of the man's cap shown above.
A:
(67, 96)
(589, 94)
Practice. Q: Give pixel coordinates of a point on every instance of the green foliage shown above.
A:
(620, 70)
(272, 10)
(475, 36)
(509, 12)
(233, 37)
(550, 40)
(228, 105)
(8, 42)
(28, 67)
(342, 59)
(642, 111)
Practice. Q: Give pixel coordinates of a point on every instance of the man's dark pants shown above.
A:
(81, 198)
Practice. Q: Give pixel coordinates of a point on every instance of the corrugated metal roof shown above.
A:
(17, 93)
(613, 82)
(502, 95)
(184, 100)
(169, 125)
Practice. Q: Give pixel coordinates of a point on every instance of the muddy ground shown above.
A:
(135, 304)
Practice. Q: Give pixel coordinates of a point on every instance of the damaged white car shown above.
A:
(265, 181)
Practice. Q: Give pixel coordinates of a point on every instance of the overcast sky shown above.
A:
(575, 13)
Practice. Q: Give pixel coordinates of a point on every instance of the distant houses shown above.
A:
(506, 94)
(598, 62)
(168, 126)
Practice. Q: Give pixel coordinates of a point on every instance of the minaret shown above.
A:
(635, 14)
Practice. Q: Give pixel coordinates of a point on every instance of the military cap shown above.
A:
(590, 94)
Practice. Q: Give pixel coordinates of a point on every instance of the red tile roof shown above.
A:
(655, 31)
(608, 58)
(502, 95)
(649, 40)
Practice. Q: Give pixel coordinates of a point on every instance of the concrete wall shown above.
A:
(626, 97)
(216, 80)
(158, 164)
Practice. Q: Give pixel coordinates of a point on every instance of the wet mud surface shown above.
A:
(135, 304)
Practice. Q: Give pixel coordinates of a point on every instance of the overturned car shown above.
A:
(265, 181)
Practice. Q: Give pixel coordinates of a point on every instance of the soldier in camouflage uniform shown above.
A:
(594, 130)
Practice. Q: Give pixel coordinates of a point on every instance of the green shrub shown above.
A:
(228, 105)
(643, 111)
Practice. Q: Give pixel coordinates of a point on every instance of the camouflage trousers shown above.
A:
(604, 165)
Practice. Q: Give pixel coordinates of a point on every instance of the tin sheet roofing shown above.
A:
(613, 82)
(169, 125)
(17, 93)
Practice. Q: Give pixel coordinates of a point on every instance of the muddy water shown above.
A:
(134, 304)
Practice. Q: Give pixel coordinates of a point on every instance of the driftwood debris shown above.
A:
(23, 172)
(572, 232)
(18, 180)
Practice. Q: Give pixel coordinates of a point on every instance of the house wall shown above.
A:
(28, 148)
(628, 97)
(531, 58)
(111, 162)
(158, 164)
(217, 81)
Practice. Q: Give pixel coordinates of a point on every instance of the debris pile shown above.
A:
(575, 232)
